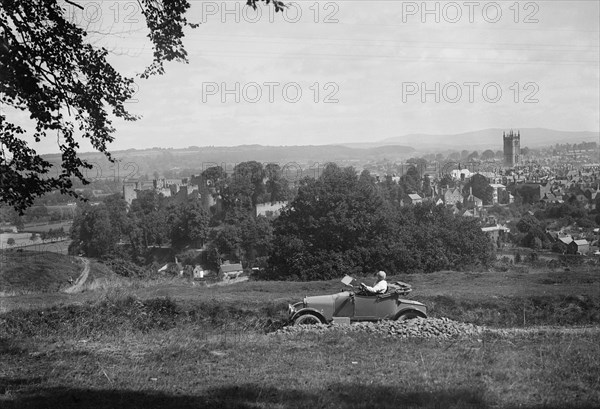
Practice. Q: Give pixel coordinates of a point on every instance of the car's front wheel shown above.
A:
(307, 319)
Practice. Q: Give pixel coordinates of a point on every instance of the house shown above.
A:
(566, 240)
(472, 202)
(198, 272)
(578, 247)
(549, 198)
(452, 196)
(460, 174)
(229, 271)
(497, 189)
(413, 198)
(179, 266)
(262, 209)
(496, 232)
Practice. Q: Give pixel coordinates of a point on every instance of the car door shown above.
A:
(386, 305)
(365, 307)
(344, 305)
(375, 307)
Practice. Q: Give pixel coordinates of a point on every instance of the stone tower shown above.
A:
(512, 148)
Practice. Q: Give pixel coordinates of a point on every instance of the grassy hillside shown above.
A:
(512, 298)
(168, 344)
(27, 271)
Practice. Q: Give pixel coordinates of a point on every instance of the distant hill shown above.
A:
(316, 153)
(135, 163)
(491, 139)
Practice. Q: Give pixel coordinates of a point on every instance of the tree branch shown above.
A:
(74, 4)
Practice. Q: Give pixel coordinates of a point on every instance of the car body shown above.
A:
(348, 306)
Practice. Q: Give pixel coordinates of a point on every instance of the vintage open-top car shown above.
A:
(357, 305)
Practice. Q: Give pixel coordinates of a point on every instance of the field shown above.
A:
(22, 241)
(169, 344)
(40, 275)
(45, 227)
(19, 238)
(29, 271)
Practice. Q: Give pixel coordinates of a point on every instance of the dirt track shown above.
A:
(75, 288)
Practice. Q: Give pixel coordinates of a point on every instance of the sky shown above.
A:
(356, 71)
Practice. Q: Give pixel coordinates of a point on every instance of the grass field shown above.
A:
(168, 344)
(30, 279)
(29, 271)
(59, 246)
(39, 228)
(23, 239)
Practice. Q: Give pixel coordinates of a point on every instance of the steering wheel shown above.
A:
(362, 289)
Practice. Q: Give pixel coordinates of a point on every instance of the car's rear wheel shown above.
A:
(307, 319)
(409, 315)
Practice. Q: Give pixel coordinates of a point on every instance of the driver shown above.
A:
(380, 286)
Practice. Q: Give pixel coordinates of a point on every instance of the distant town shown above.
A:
(499, 188)
(473, 184)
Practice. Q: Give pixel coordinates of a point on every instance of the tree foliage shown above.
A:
(480, 187)
(188, 224)
(92, 232)
(152, 220)
(487, 155)
(51, 71)
(343, 224)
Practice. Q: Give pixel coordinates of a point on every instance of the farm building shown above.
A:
(578, 247)
(413, 199)
(198, 272)
(231, 270)
(566, 240)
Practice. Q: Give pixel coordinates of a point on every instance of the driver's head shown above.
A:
(380, 275)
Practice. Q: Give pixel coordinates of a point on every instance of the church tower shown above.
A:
(512, 148)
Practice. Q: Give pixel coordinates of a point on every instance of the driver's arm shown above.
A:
(379, 288)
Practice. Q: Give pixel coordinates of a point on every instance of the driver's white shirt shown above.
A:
(379, 288)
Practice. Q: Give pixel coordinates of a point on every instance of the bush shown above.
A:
(190, 257)
(559, 247)
(571, 259)
(114, 316)
(585, 223)
(533, 257)
(125, 268)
